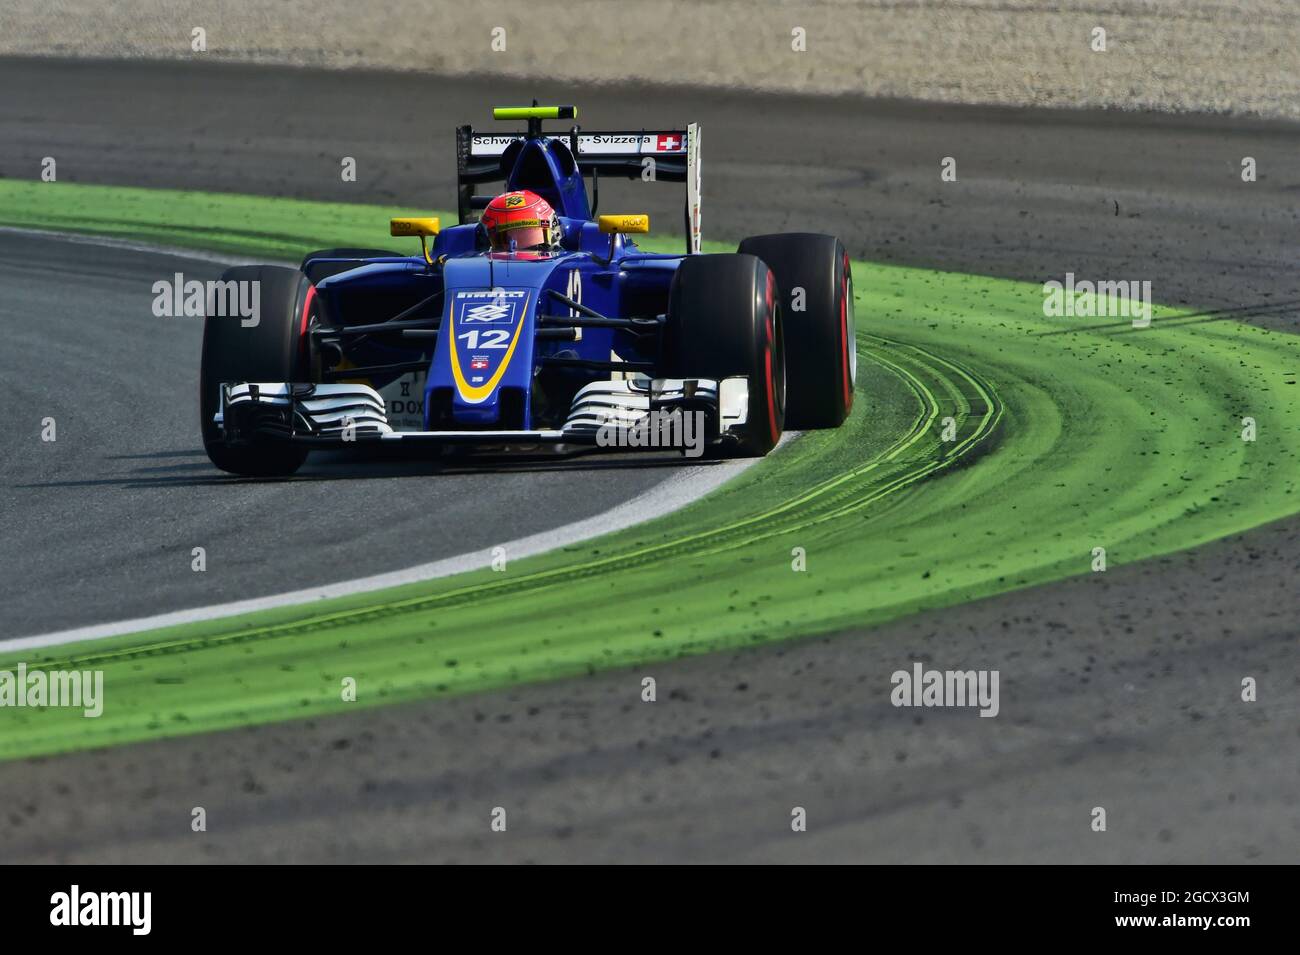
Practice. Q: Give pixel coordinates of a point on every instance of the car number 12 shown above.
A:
(491, 338)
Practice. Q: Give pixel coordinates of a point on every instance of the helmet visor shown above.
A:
(526, 238)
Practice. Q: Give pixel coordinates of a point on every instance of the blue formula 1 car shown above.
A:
(534, 323)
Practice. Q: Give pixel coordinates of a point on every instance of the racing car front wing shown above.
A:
(603, 413)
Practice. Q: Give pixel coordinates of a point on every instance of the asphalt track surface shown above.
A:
(1126, 684)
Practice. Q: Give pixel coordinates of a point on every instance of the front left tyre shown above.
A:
(274, 349)
(724, 320)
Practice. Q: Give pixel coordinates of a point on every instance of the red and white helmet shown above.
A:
(523, 222)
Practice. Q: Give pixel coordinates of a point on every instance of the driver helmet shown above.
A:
(521, 221)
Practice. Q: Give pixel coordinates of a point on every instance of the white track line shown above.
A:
(685, 486)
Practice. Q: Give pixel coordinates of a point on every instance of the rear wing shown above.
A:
(671, 155)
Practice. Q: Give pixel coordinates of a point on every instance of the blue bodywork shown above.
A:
(501, 358)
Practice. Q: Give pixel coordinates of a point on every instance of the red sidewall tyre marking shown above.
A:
(845, 344)
(302, 328)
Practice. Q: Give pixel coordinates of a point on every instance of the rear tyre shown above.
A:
(724, 320)
(820, 346)
(273, 350)
(316, 271)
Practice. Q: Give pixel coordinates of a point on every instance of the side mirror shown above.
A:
(416, 226)
(613, 226)
(638, 223)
